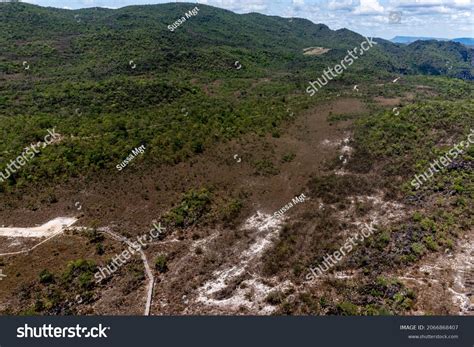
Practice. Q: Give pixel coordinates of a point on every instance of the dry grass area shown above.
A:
(273, 170)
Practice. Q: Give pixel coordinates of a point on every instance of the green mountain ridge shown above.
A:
(106, 40)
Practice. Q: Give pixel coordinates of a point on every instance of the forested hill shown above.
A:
(96, 43)
(113, 79)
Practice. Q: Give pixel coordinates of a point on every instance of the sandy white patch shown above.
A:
(381, 213)
(345, 153)
(251, 293)
(204, 242)
(262, 222)
(50, 228)
(346, 149)
(342, 275)
(463, 265)
(341, 172)
(431, 276)
(315, 50)
(327, 142)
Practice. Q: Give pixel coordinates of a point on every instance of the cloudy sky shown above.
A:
(380, 18)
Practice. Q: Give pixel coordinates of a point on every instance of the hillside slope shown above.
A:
(255, 181)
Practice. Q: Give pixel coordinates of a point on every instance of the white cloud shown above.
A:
(368, 7)
(462, 4)
(240, 6)
(341, 5)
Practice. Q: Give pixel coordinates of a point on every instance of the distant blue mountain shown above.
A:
(468, 41)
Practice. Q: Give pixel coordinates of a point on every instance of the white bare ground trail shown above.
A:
(151, 279)
(266, 228)
(57, 226)
(49, 230)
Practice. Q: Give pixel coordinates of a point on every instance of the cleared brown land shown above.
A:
(315, 50)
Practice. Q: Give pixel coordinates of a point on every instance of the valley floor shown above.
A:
(224, 265)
